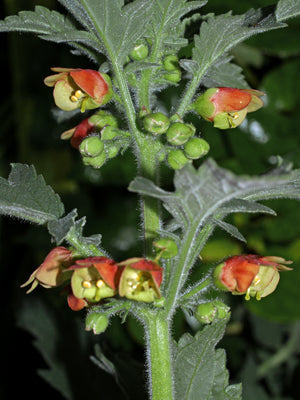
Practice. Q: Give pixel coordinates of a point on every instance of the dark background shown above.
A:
(39, 333)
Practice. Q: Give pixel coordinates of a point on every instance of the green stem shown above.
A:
(85, 250)
(196, 289)
(159, 355)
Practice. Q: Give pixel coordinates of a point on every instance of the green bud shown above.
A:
(112, 150)
(108, 132)
(167, 246)
(95, 162)
(96, 322)
(177, 159)
(170, 63)
(179, 133)
(208, 312)
(103, 118)
(196, 148)
(139, 52)
(156, 123)
(91, 146)
(173, 76)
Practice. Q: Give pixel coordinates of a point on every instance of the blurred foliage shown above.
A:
(261, 340)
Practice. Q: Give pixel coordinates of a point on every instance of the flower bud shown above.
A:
(95, 162)
(112, 149)
(139, 52)
(171, 63)
(92, 146)
(179, 133)
(96, 322)
(167, 247)
(173, 76)
(196, 148)
(252, 275)
(177, 159)
(108, 133)
(209, 312)
(156, 123)
(102, 118)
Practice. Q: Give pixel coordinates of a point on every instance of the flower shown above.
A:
(252, 275)
(140, 279)
(79, 88)
(227, 107)
(50, 272)
(93, 279)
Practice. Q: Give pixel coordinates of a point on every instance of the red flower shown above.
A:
(227, 107)
(93, 279)
(251, 274)
(50, 272)
(140, 279)
(79, 133)
(79, 88)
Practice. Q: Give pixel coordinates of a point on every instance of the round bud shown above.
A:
(170, 63)
(156, 123)
(108, 132)
(96, 322)
(173, 76)
(95, 162)
(208, 312)
(111, 150)
(103, 118)
(177, 159)
(196, 148)
(91, 146)
(167, 246)
(139, 52)
(179, 133)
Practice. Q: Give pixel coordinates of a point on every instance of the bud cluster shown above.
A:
(92, 279)
(181, 144)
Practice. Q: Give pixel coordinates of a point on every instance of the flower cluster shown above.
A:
(93, 279)
(252, 275)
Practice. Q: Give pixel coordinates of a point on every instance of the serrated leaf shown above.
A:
(221, 33)
(287, 9)
(199, 369)
(25, 195)
(60, 228)
(118, 27)
(212, 191)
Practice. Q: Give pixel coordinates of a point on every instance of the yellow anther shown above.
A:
(73, 98)
(100, 283)
(76, 96)
(256, 281)
(86, 284)
(235, 116)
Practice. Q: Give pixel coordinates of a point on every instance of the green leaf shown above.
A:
(60, 228)
(221, 33)
(117, 27)
(25, 195)
(287, 9)
(212, 191)
(199, 368)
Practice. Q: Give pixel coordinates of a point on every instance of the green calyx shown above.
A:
(91, 146)
(177, 159)
(96, 322)
(196, 148)
(171, 63)
(103, 118)
(209, 312)
(217, 277)
(173, 76)
(179, 133)
(108, 96)
(156, 123)
(95, 162)
(203, 105)
(166, 247)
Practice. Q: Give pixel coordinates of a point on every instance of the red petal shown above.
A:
(91, 82)
(81, 132)
(108, 270)
(230, 99)
(155, 270)
(76, 304)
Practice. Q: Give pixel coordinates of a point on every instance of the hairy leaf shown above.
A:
(199, 368)
(287, 9)
(221, 33)
(25, 195)
(209, 192)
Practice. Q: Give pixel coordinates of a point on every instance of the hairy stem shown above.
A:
(159, 355)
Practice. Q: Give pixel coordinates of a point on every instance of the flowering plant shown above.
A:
(142, 52)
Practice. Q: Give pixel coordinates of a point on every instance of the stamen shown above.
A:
(86, 284)
(256, 281)
(77, 96)
(100, 283)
